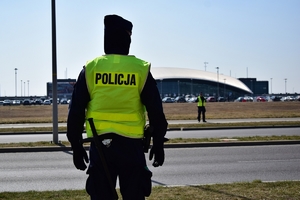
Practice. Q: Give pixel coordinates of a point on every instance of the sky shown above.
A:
(243, 38)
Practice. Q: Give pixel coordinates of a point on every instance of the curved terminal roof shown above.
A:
(160, 73)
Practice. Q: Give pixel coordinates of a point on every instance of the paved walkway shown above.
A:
(169, 121)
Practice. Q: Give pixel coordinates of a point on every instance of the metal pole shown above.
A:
(16, 69)
(21, 87)
(205, 65)
(271, 85)
(24, 89)
(224, 88)
(54, 75)
(285, 84)
(218, 80)
(28, 86)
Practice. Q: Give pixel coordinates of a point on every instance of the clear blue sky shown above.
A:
(244, 38)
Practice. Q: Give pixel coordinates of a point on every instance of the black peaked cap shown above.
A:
(115, 22)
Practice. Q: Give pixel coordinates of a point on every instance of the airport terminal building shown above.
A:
(181, 81)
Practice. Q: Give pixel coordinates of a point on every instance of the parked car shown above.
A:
(26, 102)
(221, 99)
(47, 102)
(38, 102)
(16, 102)
(167, 100)
(210, 99)
(260, 99)
(276, 98)
(240, 99)
(6, 102)
(64, 101)
(179, 99)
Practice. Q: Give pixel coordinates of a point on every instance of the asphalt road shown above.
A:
(55, 171)
(216, 133)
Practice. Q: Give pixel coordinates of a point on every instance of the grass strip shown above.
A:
(239, 190)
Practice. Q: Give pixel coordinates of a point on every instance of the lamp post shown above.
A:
(285, 84)
(218, 80)
(224, 87)
(24, 89)
(21, 87)
(271, 85)
(205, 65)
(28, 86)
(16, 69)
(178, 88)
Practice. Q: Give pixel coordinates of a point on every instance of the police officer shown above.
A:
(116, 90)
(201, 107)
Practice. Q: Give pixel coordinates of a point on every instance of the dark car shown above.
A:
(179, 100)
(276, 98)
(38, 102)
(221, 99)
(27, 102)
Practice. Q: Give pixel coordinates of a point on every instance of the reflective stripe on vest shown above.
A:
(114, 83)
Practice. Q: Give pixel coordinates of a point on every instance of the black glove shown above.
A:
(79, 156)
(158, 152)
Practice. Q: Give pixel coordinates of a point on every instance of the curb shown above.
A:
(166, 146)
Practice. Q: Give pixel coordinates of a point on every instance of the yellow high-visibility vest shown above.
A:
(115, 83)
(200, 103)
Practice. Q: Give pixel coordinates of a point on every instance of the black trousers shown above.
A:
(201, 110)
(125, 159)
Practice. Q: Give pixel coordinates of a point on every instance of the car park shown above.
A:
(6, 102)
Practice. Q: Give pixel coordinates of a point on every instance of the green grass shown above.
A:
(281, 190)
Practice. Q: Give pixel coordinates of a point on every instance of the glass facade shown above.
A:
(182, 87)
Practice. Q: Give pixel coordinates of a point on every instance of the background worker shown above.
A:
(201, 107)
(114, 89)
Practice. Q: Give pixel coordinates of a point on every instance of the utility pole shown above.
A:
(205, 63)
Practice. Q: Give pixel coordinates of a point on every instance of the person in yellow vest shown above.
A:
(201, 107)
(117, 90)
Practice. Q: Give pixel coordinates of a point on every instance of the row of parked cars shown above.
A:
(191, 99)
(25, 102)
(267, 98)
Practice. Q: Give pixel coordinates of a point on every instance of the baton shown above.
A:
(98, 146)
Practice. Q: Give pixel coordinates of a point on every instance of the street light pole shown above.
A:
(224, 88)
(16, 69)
(28, 86)
(218, 80)
(24, 89)
(21, 87)
(205, 65)
(271, 85)
(285, 84)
